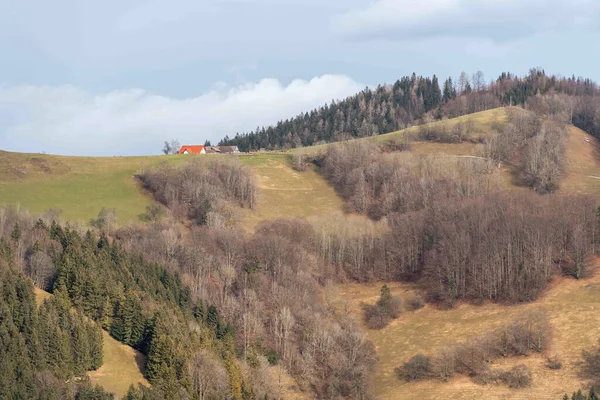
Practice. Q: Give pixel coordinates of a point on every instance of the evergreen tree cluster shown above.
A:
(413, 100)
(41, 349)
(139, 303)
(581, 395)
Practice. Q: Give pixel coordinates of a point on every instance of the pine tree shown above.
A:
(96, 342)
(15, 235)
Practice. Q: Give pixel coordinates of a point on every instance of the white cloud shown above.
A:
(499, 20)
(68, 120)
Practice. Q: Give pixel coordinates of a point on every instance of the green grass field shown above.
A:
(79, 186)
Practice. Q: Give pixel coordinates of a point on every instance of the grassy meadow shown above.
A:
(572, 306)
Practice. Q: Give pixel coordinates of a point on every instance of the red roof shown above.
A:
(191, 149)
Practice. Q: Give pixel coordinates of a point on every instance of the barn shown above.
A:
(229, 149)
(192, 149)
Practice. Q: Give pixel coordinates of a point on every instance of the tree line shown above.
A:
(413, 100)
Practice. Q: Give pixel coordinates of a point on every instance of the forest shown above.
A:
(414, 100)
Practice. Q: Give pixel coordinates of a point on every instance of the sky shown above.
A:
(121, 77)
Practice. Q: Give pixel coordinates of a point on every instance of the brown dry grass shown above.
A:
(573, 308)
(582, 173)
(286, 193)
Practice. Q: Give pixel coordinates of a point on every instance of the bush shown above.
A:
(517, 377)
(554, 362)
(300, 162)
(415, 303)
(387, 307)
(375, 317)
(444, 366)
(417, 368)
(591, 365)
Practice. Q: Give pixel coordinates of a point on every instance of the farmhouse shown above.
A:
(212, 149)
(229, 149)
(192, 149)
(197, 149)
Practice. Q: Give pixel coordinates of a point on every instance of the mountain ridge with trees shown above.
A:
(413, 100)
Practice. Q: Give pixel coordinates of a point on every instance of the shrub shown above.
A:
(375, 317)
(444, 365)
(387, 307)
(415, 303)
(591, 364)
(300, 162)
(471, 358)
(517, 377)
(554, 362)
(417, 368)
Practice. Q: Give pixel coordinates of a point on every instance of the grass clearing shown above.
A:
(572, 306)
(122, 366)
(286, 193)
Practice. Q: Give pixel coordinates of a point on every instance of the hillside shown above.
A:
(414, 99)
(570, 303)
(122, 365)
(81, 186)
(482, 124)
(582, 174)
(285, 193)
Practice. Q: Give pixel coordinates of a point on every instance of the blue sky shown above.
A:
(120, 77)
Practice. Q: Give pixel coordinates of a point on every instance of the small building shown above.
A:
(212, 150)
(229, 149)
(192, 149)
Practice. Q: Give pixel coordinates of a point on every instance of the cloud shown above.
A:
(68, 120)
(498, 20)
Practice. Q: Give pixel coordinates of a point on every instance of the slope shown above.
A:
(481, 124)
(286, 193)
(122, 366)
(79, 186)
(571, 305)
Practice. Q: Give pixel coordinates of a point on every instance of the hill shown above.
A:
(582, 150)
(481, 123)
(414, 99)
(78, 186)
(286, 193)
(81, 186)
(570, 303)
